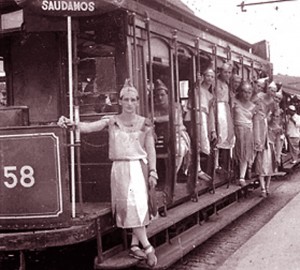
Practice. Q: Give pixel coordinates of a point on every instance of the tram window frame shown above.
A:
(97, 82)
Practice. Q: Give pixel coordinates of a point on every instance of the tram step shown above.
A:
(184, 210)
(179, 246)
(120, 261)
(176, 214)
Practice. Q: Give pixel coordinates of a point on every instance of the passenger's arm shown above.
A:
(296, 119)
(84, 127)
(150, 149)
(88, 127)
(161, 119)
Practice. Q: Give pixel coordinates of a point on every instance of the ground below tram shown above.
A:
(213, 253)
(209, 256)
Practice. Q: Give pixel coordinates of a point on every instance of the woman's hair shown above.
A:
(128, 87)
(240, 88)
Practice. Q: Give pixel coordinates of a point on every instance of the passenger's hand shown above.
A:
(152, 181)
(213, 136)
(64, 122)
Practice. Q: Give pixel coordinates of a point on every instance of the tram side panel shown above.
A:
(34, 183)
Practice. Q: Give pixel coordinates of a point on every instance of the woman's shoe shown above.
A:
(294, 161)
(263, 194)
(151, 258)
(137, 253)
(218, 169)
(242, 182)
(204, 176)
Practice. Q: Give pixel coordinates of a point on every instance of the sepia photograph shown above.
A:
(149, 134)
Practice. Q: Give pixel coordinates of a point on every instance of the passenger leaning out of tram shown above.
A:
(133, 169)
(161, 115)
(293, 133)
(276, 135)
(268, 159)
(263, 162)
(225, 131)
(207, 130)
(243, 113)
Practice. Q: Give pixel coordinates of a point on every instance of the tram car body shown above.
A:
(50, 50)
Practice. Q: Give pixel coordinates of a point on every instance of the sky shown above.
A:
(277, 23)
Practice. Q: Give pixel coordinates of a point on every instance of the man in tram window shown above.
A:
(225, 131)
(161, 115)
(293, 133)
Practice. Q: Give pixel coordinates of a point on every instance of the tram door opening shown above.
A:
(170, 101)
(161, 85)
(100, 76)
(183, 70)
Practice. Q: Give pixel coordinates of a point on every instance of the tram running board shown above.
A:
(184, 243)
(188, 225)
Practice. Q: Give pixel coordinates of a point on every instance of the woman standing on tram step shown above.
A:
(207, 133)
(263, 162)
(243, 113)
(224, 121)
(133, 169)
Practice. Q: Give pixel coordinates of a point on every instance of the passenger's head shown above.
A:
(209, 76)
(260, 84)
(160, 93)
(272, 89)
(278, 96)
(276, 115)
(129, 97)
(236, 81)
(245, 91)
(226, 71)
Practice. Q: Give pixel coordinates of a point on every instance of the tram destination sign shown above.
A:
(70, 7)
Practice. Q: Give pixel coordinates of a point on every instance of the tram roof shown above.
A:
(172, 8)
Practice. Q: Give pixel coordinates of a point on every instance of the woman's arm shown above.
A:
(84, 127)
(88, 127)
(150, 149)
(161, 119)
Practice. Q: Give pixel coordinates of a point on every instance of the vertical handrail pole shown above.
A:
(71, 115)
(242, 64)
(177, 95)
(135, 69)
(214, 89)
(150, 68)
(77, 120)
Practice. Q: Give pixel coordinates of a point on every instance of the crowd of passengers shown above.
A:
(241, 117)
(235, 115)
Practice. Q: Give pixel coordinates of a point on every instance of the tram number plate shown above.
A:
(30, 178)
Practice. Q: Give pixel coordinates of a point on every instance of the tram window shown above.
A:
(96, 78)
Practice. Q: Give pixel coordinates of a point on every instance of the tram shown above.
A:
(71, 57)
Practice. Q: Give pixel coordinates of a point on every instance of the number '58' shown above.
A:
(26, 176)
